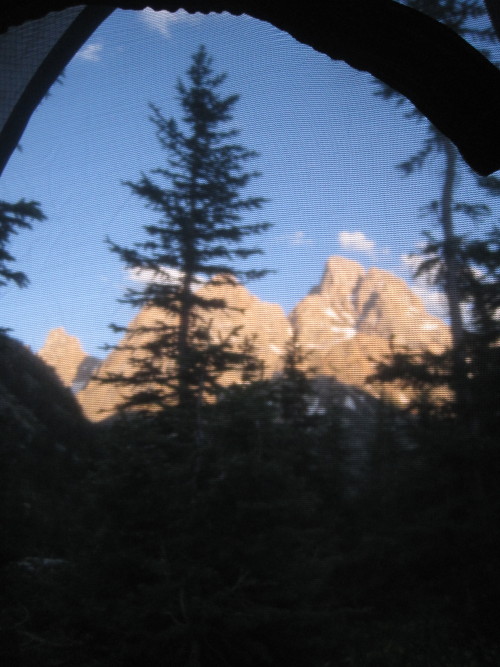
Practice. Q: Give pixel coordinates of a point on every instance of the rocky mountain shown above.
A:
(347, 324)
(344, 327)
(66, 356)
(262, 324)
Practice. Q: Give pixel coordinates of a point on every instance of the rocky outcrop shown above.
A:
(63, 353)
(347, 325)
(66, 356)
(352, 319)
(245, 319)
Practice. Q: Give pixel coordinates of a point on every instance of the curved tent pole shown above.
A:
(447, 79)
(493, 7)
(43, 76)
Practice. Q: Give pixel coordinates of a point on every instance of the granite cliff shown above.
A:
(345, 326)
(264, 324)
(64, 354)
(348, 323)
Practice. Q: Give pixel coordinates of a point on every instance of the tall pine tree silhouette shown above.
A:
(199, 235)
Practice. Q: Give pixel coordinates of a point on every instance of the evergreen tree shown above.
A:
(481, 293)
(443, 256)
(199, 234)
(13, 217)
(295, 387)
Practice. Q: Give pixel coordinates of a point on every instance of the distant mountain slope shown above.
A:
(345, 326)
(64, 353)
(33, 401)
(265, 324)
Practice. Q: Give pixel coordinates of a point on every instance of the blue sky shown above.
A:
(328, 150)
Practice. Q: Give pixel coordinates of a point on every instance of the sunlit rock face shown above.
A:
(387, 307)
(99, 400)
(244, 318)
(63, 353)
(347, 324)
(66, 356)
(263, 324)
(345, 327)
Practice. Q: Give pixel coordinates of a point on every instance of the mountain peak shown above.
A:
(340, 276)
(349, 322)
(59, 336)
(346, 326)
(262, 324)
(63, 353)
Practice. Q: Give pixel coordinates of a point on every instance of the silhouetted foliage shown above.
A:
(260, 549)
(198, 237)
(14, 217)
(441, 258)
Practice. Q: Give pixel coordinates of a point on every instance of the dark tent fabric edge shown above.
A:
(448, 80)
(46, 74)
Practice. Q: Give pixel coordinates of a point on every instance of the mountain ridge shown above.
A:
(345, 325)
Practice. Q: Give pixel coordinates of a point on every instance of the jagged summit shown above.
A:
(340, 277)
(65, 354)
(349, 322)
(345, 326)
(263, 323)
(351, 300)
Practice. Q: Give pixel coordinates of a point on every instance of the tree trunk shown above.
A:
(185, 393)
(451, 264)
(452, 271)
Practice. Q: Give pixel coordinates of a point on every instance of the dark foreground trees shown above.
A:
(14, 217)
(442, 257)
(198, 236)
(257, 549)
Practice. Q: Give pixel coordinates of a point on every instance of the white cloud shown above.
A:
(299, 238)
(411, 262)
(356, 241)
(163, 276)
(163, 20)
(90, 52)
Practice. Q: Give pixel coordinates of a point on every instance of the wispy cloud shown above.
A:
(356, 241)
(90, 52)
(163, 20)
(298, 238)
(160, 277)
(411, 262)
(164, 276)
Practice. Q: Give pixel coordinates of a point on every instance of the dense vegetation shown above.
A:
(267, 545)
